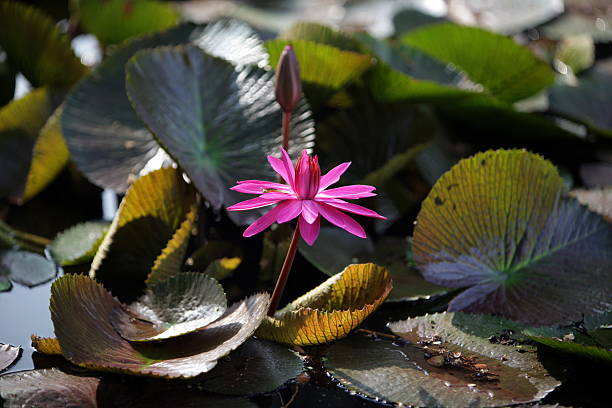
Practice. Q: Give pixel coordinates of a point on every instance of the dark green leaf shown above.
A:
(409, 19)
(78, 244)
(26, 268)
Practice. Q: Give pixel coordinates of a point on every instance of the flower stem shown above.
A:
(284, 273)
(286, 129)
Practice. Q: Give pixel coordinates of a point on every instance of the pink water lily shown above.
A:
(305, 196)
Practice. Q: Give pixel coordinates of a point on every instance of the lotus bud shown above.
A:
(288, 82)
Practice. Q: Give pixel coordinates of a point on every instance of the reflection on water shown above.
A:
(23, 312)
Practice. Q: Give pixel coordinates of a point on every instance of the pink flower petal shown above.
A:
(258, 187)
(310, 211)
(340, 219)
(287, 161)
(251, 204)
(264, 221)
(333, 175)
(283, 167)
(355, 209)
(290, 211)
(349, 192)
(309, 231)
(277, 196)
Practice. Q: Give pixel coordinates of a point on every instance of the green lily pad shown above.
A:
(26, 268)
(35, 47)
(182, 304)
(5, 284)
(149, 234)
(8, 355)
(258, 366)
(500, 225)
(410, 19)
(218, 134)
(78, 244)
(115, 21)
(322, 34)
(81, 311)
(505, 69)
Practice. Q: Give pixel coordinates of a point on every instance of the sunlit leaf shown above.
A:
(117, 20)
(35, 46)
(577, 52)
(78, 244)
(332, 309)
(182, 304)
(26, 268)
(500, 225)
(505, 69)
(46, 345)
(216, 122)
(81, 311)
(20, 123)
(49, 156)
(8, 355)
(257, 366)
(158, 211)
(322, 34)
(598, 200)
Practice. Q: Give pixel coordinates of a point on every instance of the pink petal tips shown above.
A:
(305, 196)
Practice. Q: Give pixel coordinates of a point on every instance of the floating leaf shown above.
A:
(81, 311)
(218, 259)
(78, 244)
(322, 34)
(332, 309)
(258, 366)
(182, 304)
(117, 20)
(49, 156)
(158, 211)
(20, 123)
(408, 19)
(499, 224)
(505, 69)
(5, 284)
(8, 355)
(598, 200)
(26, 268)
(35, 46)
(217, 122)
(46, 345)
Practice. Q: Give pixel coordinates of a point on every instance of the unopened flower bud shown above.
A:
(288, 82)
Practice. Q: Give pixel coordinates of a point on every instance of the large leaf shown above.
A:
(217, 122)
(158, 211)
(35, 46)
(257, 366)
(81, 311)
(20, 123)
(322, 34)
(78, 244)
(117, 20)
(26, 268)
(332, 309)
(179, 305)
(505, 69)
(107, 140)
(8, 355)
(499, 224)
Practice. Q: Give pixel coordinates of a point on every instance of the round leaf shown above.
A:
(26, 268)
(78, 244)
(499, 224)
(8, 355)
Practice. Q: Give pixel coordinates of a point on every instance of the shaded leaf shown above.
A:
(157, 212)
(218, 259)
(217, 122)
(78, 244)
(117, 20)
(408, 19)
(182, 304)
(7, 82)
(26, 268)
(598, 200)
(5, 284)
(331, 310)
(8, 355)
(505, 69)
(35, 46)
(499, 224)
(12, 238)
(258, 366)
(81, 310)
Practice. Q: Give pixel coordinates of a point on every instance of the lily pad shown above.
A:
(151, 228)
(35, 46)
(78, 244)
(8, 355)
(593, 19)
(117, 20)
(46, 345)
(26, 268)
(218, 259)
(322, 34)
(218, 134)
(258, 366)
(182, 304)
(500, 225)
(331, 310)
(81, 311)
(508, 71)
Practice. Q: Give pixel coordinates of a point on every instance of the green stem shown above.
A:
(284, 273)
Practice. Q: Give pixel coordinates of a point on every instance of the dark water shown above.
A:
(25, 311)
